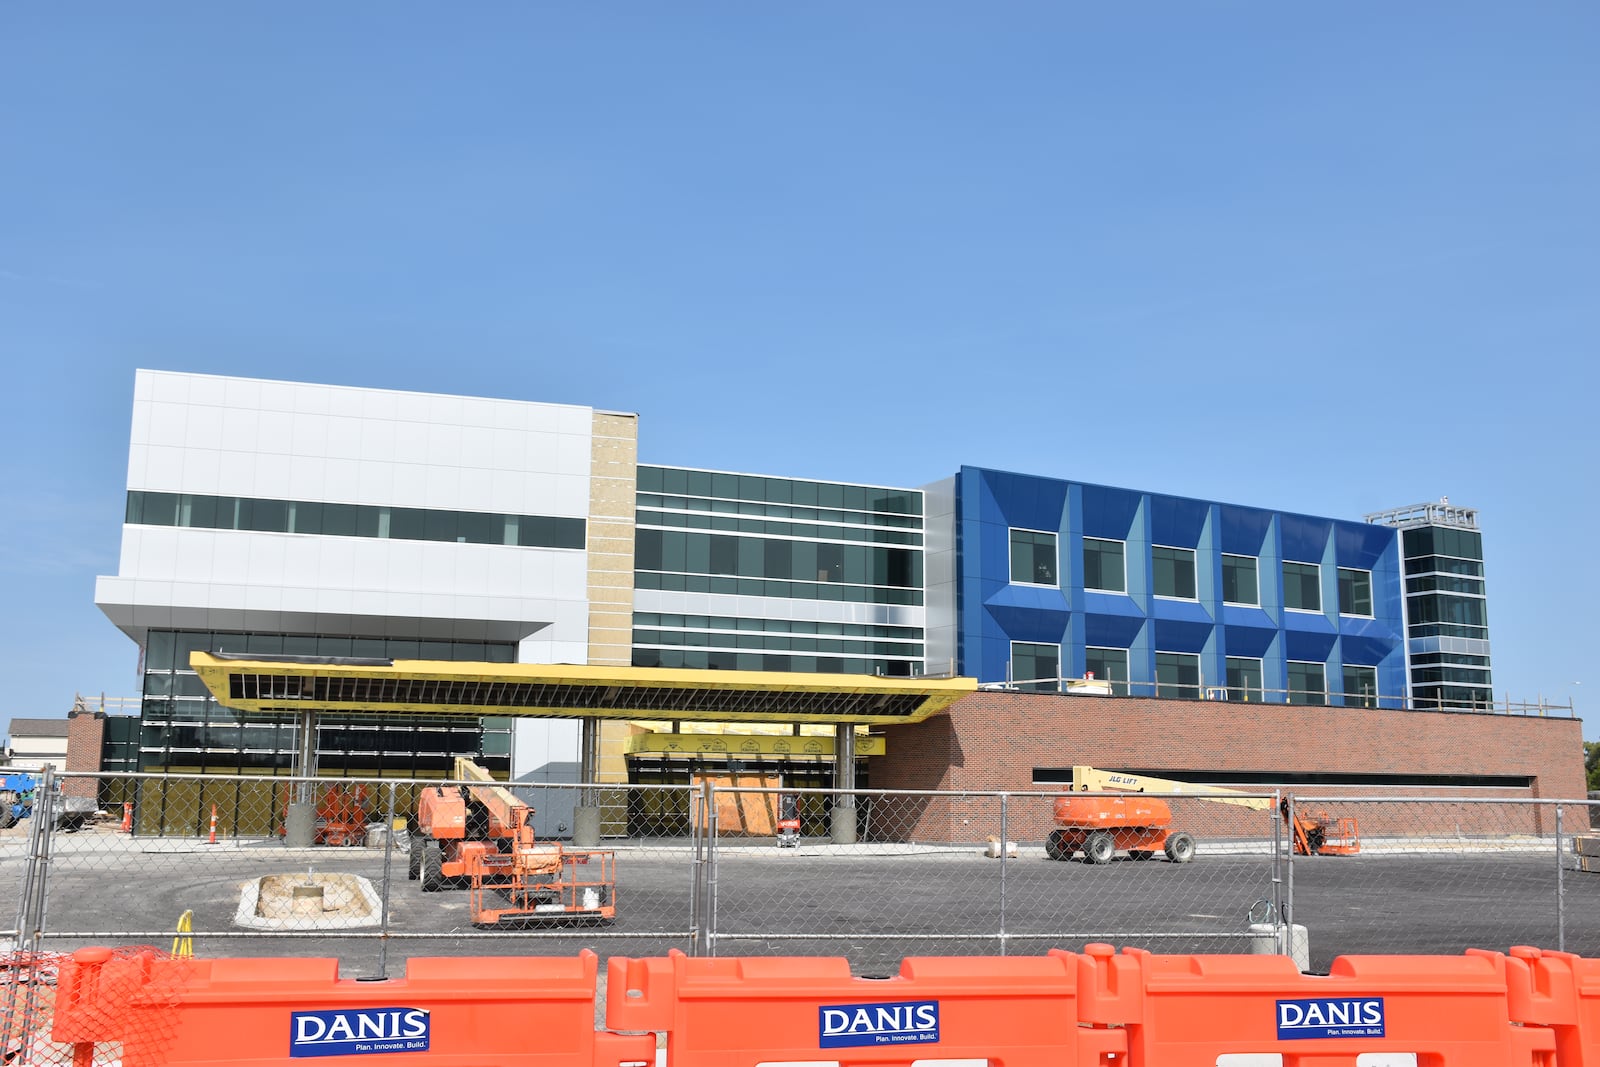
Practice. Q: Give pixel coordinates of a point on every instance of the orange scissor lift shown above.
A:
(480, 835)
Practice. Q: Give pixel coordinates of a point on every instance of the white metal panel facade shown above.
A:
(218, 436)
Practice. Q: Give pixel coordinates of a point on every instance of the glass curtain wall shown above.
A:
(784, 559)
(1447, 618)
(184, 729)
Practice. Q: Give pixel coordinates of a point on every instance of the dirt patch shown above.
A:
(343, 897)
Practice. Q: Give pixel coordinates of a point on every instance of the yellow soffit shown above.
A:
(746, 745)
(436, 687)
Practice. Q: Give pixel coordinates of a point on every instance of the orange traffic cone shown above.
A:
(127, 818)
(213, 838)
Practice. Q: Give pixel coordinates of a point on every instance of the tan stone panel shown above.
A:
(613, 451)
(616, 547)
(615, 422)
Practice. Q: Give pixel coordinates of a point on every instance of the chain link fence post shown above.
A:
(1278, 899)
(1004, 849)
(696, 867)
(1561, 889)
(383, 896)
(31, 910)
(711, 869)
(1287, 918)
(703, 823)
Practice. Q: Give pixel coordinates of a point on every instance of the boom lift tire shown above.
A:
(1099, 848)
(414, 859)
(1054, 846)
(1180, 847)
(428, 871)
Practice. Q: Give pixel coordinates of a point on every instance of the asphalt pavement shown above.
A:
(872, 904)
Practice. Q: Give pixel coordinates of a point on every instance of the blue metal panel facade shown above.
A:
(993, 611)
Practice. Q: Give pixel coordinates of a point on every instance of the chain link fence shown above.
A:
(1442, 875)
(202, 863)
(975, 873)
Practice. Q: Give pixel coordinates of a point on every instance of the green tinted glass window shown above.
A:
(1302, 586)
(1355, 592)
(1103, 566)
(1360, 686)
(1244, 678)
(1178, 675)
(1036, 668)
(1108, 664)
(353, 520)
(1172, 572)
(1033, 557)
(1239, 580)
(1306, 683)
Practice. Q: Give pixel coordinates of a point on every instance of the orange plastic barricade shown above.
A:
(467, 1012)
(1184, 1011)
(738, 1012)
(1561, 991)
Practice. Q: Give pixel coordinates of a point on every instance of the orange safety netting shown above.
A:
(122, 1013)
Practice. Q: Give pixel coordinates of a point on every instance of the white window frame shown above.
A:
(1371, 599)
(1036, 585)
(1304, 611)
(1344, 694)
(1199, 675)
(1255, 561)
(1126, 664)
(1011, 662)
(1114, 592)
(1288, 694)
(1194, 567)
(1261, 673)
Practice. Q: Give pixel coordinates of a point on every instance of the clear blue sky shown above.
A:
(1328, 259)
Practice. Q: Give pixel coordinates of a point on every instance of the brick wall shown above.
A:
(85, 735)
(993, 741)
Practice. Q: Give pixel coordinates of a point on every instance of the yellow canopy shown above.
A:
(554, 690)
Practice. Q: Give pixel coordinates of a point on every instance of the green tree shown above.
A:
(1591, 763)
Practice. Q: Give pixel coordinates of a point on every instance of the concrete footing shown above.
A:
(843, 822)
(300, 826)
(586, 827)
(1264, 942)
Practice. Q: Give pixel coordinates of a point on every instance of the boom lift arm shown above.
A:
(1092, 779)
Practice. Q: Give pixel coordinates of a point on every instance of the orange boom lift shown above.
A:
(1118, 817)
(480, 835)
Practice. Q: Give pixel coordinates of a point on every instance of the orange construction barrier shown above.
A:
(1560, 991)
(1017, 1011)
(1451, 1011)
(1100, 1008)
(127, 818)
(506, 1011)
